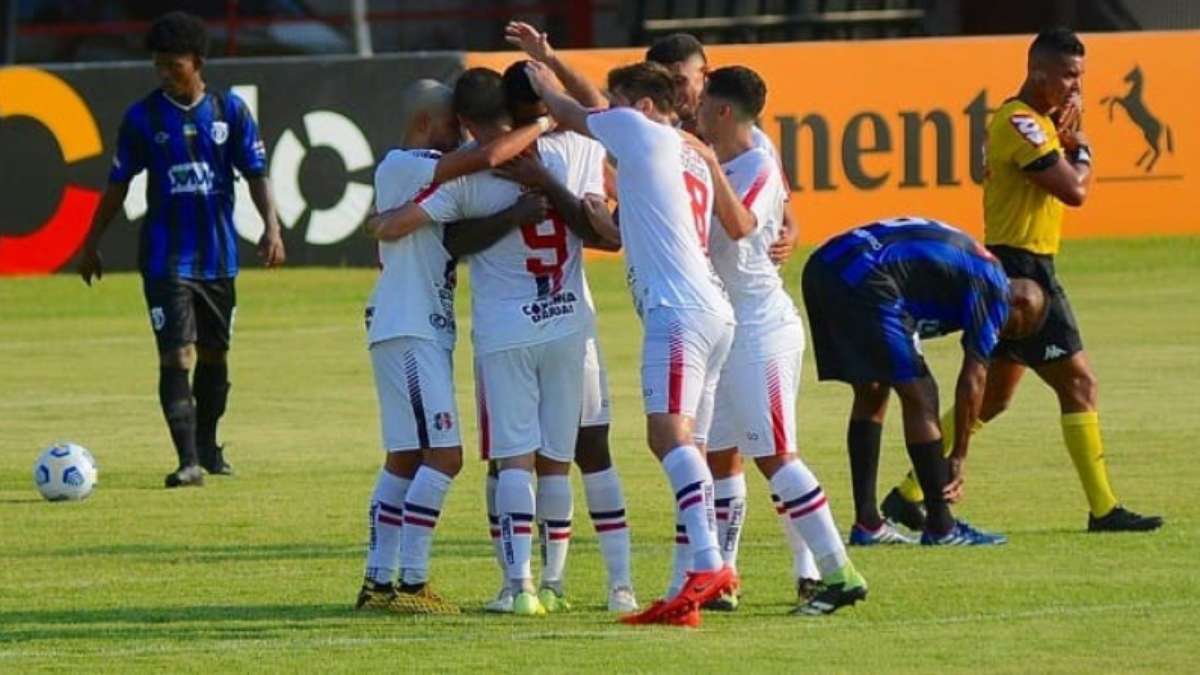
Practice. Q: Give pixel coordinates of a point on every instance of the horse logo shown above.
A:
(1139, 114)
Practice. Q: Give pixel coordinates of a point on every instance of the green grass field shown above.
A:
(258, 572)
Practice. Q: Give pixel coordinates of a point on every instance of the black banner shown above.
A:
(325, 123)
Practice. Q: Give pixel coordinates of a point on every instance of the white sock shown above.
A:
(681, 559)
(803, 564)
(692, 483)
(807, 508)
(555, 507)
(422, 508)
(606, 506)
(386, 520)
(494, 526)
(730, 507)
(515, 504)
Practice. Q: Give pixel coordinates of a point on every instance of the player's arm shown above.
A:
(531, 173)
(477, 234)
(1068, 178)
(565, 110)
(536, 44)
(736, 219)
(603, 221)
(968, 397)
(90, 263)
(270, 247)
(490, 155)
(397, 223)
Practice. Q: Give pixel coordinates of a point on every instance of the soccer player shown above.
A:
(871, 294)
(1038, 159)
(531, 321)
(666, 194)
(191, 140)
(601, 482)
(684, 56)
(756, 395)
(411, 332)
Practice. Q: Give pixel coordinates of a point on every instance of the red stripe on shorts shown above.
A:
(675, 373)
(485, 446)
(778, 426)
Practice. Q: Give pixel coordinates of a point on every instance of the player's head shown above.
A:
(1056, 65)
(479, 100)
(684, 56)
(178, 42)
(1026, 309)
(645, 86)
(427, 116)
(733, 98)
(524, 104)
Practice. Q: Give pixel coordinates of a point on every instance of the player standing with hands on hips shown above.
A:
(190, 140)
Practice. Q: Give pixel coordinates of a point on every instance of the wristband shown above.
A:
(1082, 154)
(545, 123)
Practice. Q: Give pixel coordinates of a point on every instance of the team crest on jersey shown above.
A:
(443, 421)
(220, 132)
(1029, 129)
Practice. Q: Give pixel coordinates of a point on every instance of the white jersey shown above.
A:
(762, 140)
(414, 295)
(527, 288)
(665, 195)
(760, 302)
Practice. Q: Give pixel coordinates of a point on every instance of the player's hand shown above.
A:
(782, 249)
(91, 264)
(529, 40)
(542, 78)
(953, 492)
(705, 150)
(531, 208)
(270, 248)
(524, 169)
(595, 207)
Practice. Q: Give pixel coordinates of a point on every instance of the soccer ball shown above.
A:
(65, 472)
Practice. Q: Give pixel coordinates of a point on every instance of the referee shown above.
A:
(1038, 159)
(190, 140)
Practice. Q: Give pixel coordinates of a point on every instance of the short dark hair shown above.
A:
(1057, 41)
(479, 96)
(517, 87)
(740, 86)
(178, 33)
(675, 48)
(644, 80)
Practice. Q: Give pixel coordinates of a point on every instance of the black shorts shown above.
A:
(191, 311)
(1059, 336)
(858, 334)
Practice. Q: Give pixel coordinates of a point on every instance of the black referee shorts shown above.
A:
(191, 311)
(1059, 337)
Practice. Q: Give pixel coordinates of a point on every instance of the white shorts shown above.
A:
(414, 382)
(682, 355)
(756, 401)
(596, 404)
(530, 398)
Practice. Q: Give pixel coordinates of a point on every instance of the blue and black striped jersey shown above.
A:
(935, 273)
(190, 154)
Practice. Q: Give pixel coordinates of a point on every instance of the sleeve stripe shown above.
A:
(756, 187)
(426, 192)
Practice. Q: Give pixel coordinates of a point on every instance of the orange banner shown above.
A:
(892, 127)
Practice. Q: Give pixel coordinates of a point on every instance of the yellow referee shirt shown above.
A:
(1016, 211)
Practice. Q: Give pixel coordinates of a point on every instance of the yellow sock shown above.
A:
(1081, 433)
(909, 488)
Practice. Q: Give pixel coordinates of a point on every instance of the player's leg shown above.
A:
(401, 442)
(173, 318)
(904, 504)
(729, 480)
(601, 482)
(216, 308)
(1077, 388)
(682, 354)
(863, 438)
(429, 379)
(560, 384)
(509, 379)
(923, 438)
(502, 603)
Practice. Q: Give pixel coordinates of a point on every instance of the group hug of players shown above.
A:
(701, 219)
